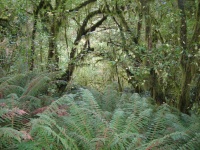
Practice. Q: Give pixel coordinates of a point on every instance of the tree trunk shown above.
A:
(184, 99)
(33, 42)
(156, 90)
(139, 25)
(35, 15)
(53, 59)
(67, 76)
(155, 86)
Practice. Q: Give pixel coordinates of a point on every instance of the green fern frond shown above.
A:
(18, 80)
(46, 129)
(192, 144)
(124, 141)
(97, 95)
(28, 145)
(7, 132)
(10, 101)
(14, 118)
(175, 139)
(90, 100)
(138, 123)
(134, 97)
(124, 99)
(10, 138)
(3, 79)
(37, 86)
(118, 121)
(54, 106)
(110, 99)
(24, 84)
(8, 89)
(3, 112)
(29, 103)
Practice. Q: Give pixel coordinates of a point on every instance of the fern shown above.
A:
(110, 98)
(29, 89)
(37, 86)
(11, 127)
(79, 121)
(17, 80)
(118, 120)
(46, 130)
(136, 125)
(8, 89)
(10, 137)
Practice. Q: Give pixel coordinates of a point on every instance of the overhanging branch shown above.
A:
(93, 28)
(82, 31)
(82, 5)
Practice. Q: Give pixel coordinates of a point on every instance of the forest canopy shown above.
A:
(99, 74)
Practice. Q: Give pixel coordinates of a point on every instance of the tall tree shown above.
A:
(188, 56)
(36, 11)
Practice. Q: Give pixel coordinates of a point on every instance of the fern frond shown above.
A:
(29, 103)
(175, 139)
(47, 130)
(110, 99)
(193, 143)
(138, 123)
(18, 80)
(8, 89)
(7, 132)
(118, 121)
(10, 138)
(97, 95)
(90, 100)
(15, 118)
(37, 86)
(3, 79)
(10, 101)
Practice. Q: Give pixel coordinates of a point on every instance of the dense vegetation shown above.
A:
(100, 74)
(88, 119)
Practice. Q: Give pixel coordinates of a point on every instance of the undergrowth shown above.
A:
(33, 118)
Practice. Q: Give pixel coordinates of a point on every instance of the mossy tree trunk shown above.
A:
(188, 57)
(155, 87)
(35, 19)
(57, 16)
(53, 58)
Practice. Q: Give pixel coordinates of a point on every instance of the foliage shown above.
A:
(102, 41)
(79, 121)
(26, 91)
(135, 125)
(65, 66)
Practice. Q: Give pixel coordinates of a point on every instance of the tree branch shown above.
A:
(82, 5)
(82, 31)
(93, 28)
